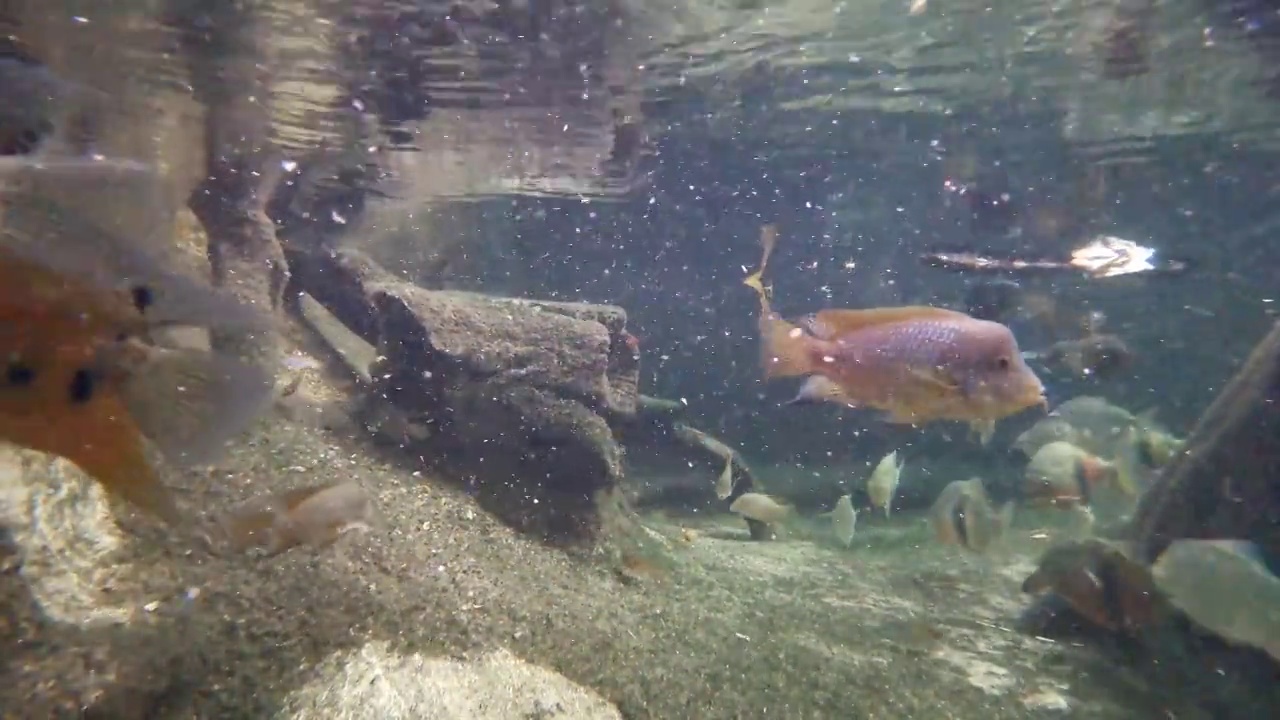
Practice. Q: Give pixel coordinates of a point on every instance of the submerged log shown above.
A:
(527, 400)
(511, 395)
(1226, 482)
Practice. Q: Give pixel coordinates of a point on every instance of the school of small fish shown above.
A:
(920, 364)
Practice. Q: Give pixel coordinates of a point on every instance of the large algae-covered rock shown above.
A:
(521, 386)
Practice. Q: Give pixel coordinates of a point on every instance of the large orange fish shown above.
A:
(79, 378)
(917, 364)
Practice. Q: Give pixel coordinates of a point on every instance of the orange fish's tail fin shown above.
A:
(755, 281)
(785, 349)
(111, 451)
(189, 403)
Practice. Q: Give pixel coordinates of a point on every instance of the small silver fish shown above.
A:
(724, 484)
(883, 483)
(844, 520)
(761, 507)
(315, 515)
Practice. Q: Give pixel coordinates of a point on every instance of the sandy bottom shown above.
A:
(440, 611)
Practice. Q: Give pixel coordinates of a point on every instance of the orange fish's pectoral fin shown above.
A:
(984, 430)
(819, 389)
(938, 380)
(189, 403)
(836, 322)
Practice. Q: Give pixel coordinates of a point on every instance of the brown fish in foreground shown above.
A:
(1101, 583)
(82, 379)
(918, 364)
(962, 515)
(315, 515)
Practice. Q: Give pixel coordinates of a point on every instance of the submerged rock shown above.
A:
(525, 399)
(377, 683)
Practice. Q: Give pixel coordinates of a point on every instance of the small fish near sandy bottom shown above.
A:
(724, 483)
(762, 508)
(844, 520)
(882, 485)
(917, 364)
(315, 516)
(963, 515)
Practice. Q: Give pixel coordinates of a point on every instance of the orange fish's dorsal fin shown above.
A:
(833, 323)
(784, 348)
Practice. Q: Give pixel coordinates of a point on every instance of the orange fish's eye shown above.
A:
(1002, 363)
